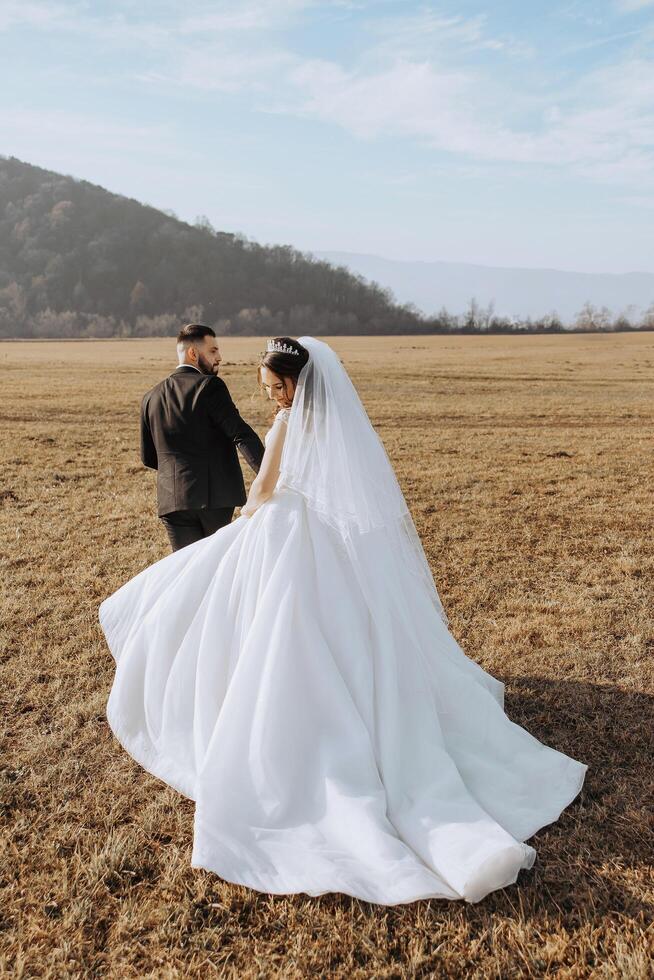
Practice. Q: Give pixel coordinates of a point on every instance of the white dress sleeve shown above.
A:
(282, 416)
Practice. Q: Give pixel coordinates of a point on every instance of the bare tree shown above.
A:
(592, 318)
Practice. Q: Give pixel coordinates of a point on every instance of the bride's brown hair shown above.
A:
(284, 365)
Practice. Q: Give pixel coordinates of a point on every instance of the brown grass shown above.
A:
(527, 463)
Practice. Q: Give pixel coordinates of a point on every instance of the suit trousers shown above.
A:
(187, 526)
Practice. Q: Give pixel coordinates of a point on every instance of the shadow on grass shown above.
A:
(597, 855)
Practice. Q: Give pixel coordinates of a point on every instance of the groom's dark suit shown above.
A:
(190, 428)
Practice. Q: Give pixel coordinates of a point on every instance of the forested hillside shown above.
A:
(77, 260)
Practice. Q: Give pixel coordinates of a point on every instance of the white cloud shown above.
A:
(413, 77)
(601, 126)
(599, 42)
(166, 20)
(411, 98)
(16, 13)
(627, 6)
(246, 15)
(425, 32)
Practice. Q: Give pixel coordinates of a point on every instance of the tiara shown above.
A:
(279, 348)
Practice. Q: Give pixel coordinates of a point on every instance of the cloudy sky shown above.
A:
(509, 133)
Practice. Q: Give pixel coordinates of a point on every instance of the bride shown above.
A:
(293, 674)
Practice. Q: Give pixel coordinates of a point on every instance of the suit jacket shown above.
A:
(190, 428)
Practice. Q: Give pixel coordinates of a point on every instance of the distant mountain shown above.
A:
(514, 292)
(77, 260)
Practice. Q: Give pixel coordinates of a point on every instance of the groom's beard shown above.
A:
(205, 366)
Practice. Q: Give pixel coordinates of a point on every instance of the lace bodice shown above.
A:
(282, 416)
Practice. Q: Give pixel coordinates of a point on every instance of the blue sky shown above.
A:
(513, 133)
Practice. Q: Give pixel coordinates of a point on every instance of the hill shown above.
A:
(77, 260)
(514, 292)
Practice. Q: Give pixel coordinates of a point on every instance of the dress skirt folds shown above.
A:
(331, 731)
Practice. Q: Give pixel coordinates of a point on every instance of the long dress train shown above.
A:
(331, 731)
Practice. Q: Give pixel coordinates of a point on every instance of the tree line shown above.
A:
(78, 261)
(307, 320)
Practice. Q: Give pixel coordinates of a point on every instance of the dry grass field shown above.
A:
(527, 463)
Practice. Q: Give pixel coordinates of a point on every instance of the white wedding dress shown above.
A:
(304, 690)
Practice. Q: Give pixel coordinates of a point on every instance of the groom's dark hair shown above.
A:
(194, 331)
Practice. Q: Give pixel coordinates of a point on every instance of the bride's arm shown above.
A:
(264, 483)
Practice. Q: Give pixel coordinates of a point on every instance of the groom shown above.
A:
(190, 428)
